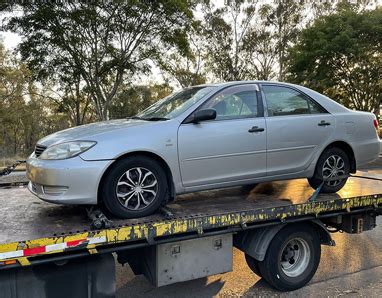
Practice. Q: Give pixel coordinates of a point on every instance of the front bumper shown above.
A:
(68, 181)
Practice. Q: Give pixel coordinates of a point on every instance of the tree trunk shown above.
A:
(78, 104)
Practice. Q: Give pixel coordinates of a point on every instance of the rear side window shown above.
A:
(282, 101)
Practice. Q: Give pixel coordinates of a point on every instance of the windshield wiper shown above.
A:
(149, 119)
(137, 118)
(156, 119)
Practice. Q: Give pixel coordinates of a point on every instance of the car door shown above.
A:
(297, 127)
(228, 148)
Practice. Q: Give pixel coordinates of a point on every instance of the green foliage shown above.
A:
(133, 99)
(24, 116)
(247, 39)
(102, 43)
(341, 56)
(225, 32)
(188, 68)
(282, 18)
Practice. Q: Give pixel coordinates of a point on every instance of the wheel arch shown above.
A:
(256, 242)
(347, 149)
(156, 157)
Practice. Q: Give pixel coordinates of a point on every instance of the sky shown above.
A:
(9, 39)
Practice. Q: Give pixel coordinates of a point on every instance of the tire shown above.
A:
(330, 155)
(253, 264)
(133, 193)
(249, 187)
(277, 267)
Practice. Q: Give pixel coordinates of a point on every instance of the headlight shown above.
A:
(66, 150)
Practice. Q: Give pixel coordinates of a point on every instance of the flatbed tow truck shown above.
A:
(48, 250)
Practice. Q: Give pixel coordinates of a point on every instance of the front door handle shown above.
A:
(323, 123)
(255, 129)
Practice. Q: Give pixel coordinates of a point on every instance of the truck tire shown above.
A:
(292, 257)
(135, 186)
(253, 264)
(332, 162)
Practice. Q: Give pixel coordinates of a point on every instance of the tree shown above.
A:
(133, 99)
(283, 19)
(102, 42)
(225, 31)
(188, 68)
(14, 81)
(261, 46)
(25, 114)
(72, 99)
(341, 55)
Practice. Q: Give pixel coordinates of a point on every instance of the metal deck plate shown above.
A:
(25, 217)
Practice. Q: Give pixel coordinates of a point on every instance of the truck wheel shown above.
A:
(332, 162)
(253, 264)
(292, 257)
(134, 187)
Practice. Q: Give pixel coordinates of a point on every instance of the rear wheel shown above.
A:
(333, 162)
(134, 187)
(292, 257)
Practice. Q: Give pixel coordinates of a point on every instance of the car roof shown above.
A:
(233, 83)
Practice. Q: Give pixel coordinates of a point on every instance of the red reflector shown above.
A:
(376, 124)
(33, 251)
(75, 242)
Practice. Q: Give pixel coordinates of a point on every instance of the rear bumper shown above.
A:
(367, 151)
(69, 181)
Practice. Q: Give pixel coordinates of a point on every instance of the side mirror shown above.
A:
(203, 115)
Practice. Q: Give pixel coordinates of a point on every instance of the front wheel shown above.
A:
(134, 187)
(333, 162)
(292, 257)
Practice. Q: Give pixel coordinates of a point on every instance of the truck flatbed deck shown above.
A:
(32, 231)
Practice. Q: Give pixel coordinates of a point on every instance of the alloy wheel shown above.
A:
(333, 166)
(137, 188)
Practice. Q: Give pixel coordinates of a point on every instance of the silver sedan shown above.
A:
(200, 138)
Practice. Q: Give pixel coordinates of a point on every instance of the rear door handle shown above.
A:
(323, 123)
(255, 129)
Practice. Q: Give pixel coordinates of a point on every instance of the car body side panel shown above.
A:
(355, 129)
(293, 141)
(221, 151)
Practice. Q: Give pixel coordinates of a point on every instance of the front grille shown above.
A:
(39, 149)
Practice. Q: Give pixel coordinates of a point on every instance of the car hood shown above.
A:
(89, 131)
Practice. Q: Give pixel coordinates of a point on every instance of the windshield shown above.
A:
(175, 104)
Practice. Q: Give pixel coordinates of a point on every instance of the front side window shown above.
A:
(283, 101)
(234, 103)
